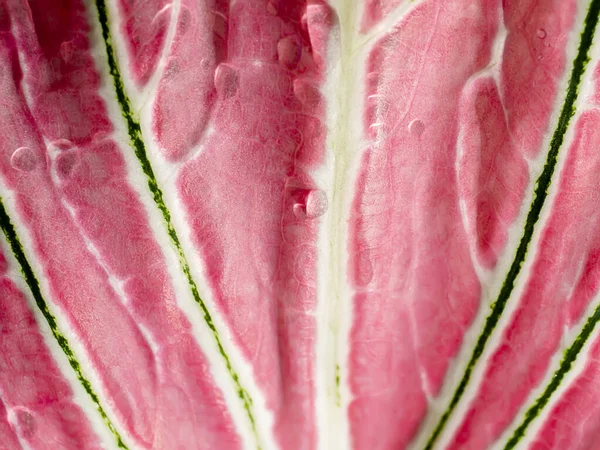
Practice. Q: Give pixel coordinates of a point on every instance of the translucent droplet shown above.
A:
(61, 145)
(300, 210)
(272, 8)
(364, 269)
(67, 50)
(307, 93)
(24, 159)
(416, 127)
(541, 33)
(205, 63)
(227, 81)
(289, 51)
(316, 203)
(65, 164)
(25, 422)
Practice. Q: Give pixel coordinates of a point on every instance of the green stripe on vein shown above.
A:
(137, 142)
(540, 194)
(565, 365)
(32, 282)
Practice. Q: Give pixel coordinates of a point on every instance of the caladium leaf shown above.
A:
(287, 224)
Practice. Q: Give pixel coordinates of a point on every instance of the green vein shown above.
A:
(566, 364)
(32, 282)
(137, 142)
(540, 194)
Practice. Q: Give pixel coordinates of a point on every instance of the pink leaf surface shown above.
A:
(292, 224)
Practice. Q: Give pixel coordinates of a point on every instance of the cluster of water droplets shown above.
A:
(541, 34)
(63, 154)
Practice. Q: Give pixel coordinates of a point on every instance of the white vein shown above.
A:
(569, 336)
(185, 301)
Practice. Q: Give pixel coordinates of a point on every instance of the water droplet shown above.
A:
(307, 93)
(416, 127)
(206, 63)
(65, 164)
(61, 145)
(541, 33)
(24, 159)
(25, 422)
(272, 8)
(289, 51)
(364, 269)
(67, 50)
(300, 210)
(316, 203)
(227, 81)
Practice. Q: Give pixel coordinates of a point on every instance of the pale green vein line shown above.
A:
(32, 282)
(137, 142)
(540, 194)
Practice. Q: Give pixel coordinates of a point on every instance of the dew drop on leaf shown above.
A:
(364, 269)
(226, 81)
(306, 93)
(300, 210)
(289, 51)
(416, 127)
(65, 163)
(24, 159)
(316, 203)
(67, 49)
(61, 145)
(272, 8)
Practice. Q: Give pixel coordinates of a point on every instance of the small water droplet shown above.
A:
(289, 51)
(67, 50)
(61, 145)
(227, 80)
(272, 8)
(25, 422)
(416, 127)
(316, 203)
(365, 269)
(541, 33)
(307, 93)
(540, 57)
(299, 210)
(24, 159)
(65, 164)
(205, 63)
